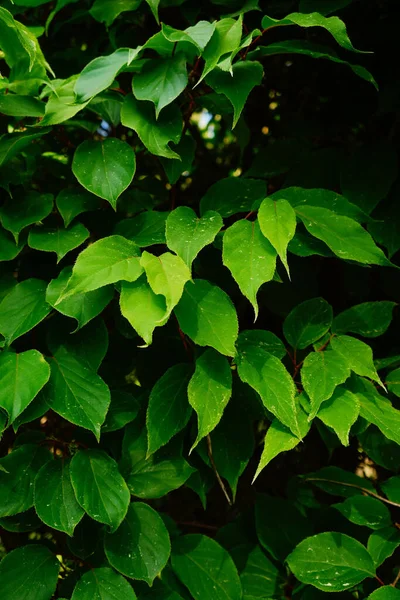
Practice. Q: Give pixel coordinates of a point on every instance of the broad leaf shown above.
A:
(144, 309)
(61, 104)
(61, 241)
(260, 577)
(206, 314)
(224, 40)
(357, 355)
(382, 543)
(55, 501)
(106, 11)
(167, 275)
(187, 234)
(8, 248)
(233, 195)
(12, 143)
(145, 229)
(21, 106)
(23, 308)
(277, 221)
(140, 547)
(377, 410)
(154, 134)
(386, 592)
(307, 323)
(340, 413)
(124, 408)
(205, 568)
(331, 561)
(209, 391)
(29, 572)
(99, 487)
(71, 202)
(103, 584)
(198, 34)
(105, 169)
(364, 510)
(76, 392)
(370, 319)
(22, 376)
(169, 409)
(265, 340)
(250, 257)
(186, 150)
(393, 382)
(18, 213)
(106, 261)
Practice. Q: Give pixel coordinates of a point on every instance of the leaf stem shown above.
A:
(396, 580)
(358, 487)
(214, 466)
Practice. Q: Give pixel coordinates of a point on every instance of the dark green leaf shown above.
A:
(233, 195)
(103, 584)
(61, 241)
(364, 510)
(71, 202)
(145, 229)
(18, 213)
(370, 319)
(340, 413)
(382, 543)
(277, 221)
(307, 323)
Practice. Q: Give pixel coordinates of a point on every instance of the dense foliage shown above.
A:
(199, 277)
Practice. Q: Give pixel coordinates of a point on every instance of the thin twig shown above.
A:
(396, 580)
(358, 487)
(198, 525)
(214, 466)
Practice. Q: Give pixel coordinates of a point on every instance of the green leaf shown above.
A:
(145, 229)
(71, 202)
(18, 213)
(21, 106)
(265, 340)
(382, 451)
(76, 392)
(154, 133)
(370, 319)
(154, 8)
(382, 543)
(106, 11)
(338, 482)
(161, 80)
(89, 346)
(391, 487)
(17, 474)
(307, 323)
(265, 373)
(199, 34)
(186, 149)
(206, 314)
(334, 25)
(340, 413)
(307, 48)
(124, 408)
(364, 510)
(140, 547)
(82, 307)
(61, 104)
(331, 561)
(344, 236)
(167, 275)
(104, 168)
(233, 195)
(99, 487)
(11, 144)
(209, 391)
(386, 592)
(169, 409)
(188, 234)
(279, 525)
(21, 523)
(321, 373)
(106, 261)
(224, 40)
(144, 309)
(260, 578)
(393, 382)
(103, 584)
(236, 85)
(378, 410)
(29, 572)
(250, 258)
(55, 501)
(368, 174)
(323, 6)
(22, 376)
(357, 355)
(279, 439)
(205, 568)
(61, 241)
(23, 308)
(8, 248)
(277, 221)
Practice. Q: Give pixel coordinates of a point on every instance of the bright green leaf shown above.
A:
(167, 275)
(340, 413)
(393, 382)
(277, 221)
(224, 40)
(358, 356)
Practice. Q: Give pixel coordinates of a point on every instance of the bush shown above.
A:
(199, 374)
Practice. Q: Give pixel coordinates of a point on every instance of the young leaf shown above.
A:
(236, 85)
(378, 410)
(207, 315)
(105, 584)
(71, 202)
(233, 195)
(23, 308)
(22, 376)
(55, 501)
(144, 309)
(250, 258)
(61, 105)
(61, 241)
(154, 133)
(104, 168)
(357, 355)
(33, 568)
(267, 375)
(169, 410)
(277, 221)
(331, 561)
(321, 373)
(340, 413)
(145, 229)
(82, 307)
(364, 510)
(382, 543)
(205, 568)
(106, 261)
(140, 547)
(77, 393)
(161, 81)
(18, 213)
(199, 34)
(344, 236)
(187, 234)
(370, 319)
(224, 40)
(167, 275)
(307, 323)
(99, 487)
(209, 391)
